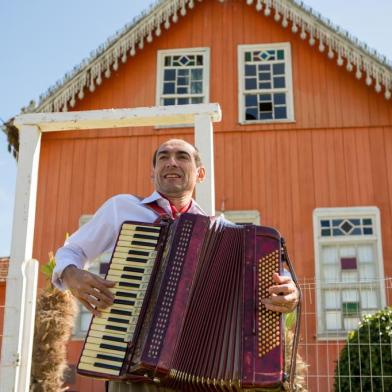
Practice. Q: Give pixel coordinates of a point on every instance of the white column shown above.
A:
(204, 141)
(12, 378)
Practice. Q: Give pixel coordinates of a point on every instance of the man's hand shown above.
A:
(90, 289)
(284, 295)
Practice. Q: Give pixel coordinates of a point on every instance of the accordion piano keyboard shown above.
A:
(109, 334)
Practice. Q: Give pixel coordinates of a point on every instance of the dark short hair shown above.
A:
(196, 155)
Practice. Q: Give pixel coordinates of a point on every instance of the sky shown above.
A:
(41, 40)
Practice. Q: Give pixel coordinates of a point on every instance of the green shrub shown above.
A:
(365, 363)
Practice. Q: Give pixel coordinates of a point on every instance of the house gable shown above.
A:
(310, 27)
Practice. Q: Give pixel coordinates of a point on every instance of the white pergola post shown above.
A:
(204, 141)
(21, 291)
(22, 274)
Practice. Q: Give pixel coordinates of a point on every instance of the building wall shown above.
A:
(338, 152)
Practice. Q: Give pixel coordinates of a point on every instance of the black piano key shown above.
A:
(111, 347)
(123, 302)
(115, 328)
(141, 243)
(109, 358)
(120, 311)
(125, 294)
(148, 229)
(113, 338)
(127, 284)
(133, 269)
(117, 320)
(131, 277)
(138, 253)
(146, 237)
(106, 366)
(137, 260)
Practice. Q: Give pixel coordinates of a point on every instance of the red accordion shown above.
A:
(187, 312)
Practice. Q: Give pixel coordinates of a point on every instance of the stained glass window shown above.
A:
(266, 85)
(349, 268)
(182, 77)
(346, 227)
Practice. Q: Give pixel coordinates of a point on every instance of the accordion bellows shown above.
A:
(187, 312)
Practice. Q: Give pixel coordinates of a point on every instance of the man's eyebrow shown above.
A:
(164, 152)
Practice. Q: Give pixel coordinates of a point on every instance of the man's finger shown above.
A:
(283, 299)
(90, 308)
(280, 279)
(100, 296)
(283, 288)
(278, 308)
(101, 286)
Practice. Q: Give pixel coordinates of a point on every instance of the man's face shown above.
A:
(175, 172)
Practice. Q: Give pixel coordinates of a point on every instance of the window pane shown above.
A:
(250, 84)
(278, 69)
(197, 100)
(280, 112)
(169, 75)
(332, 300)
(197, 74)
(251, 114)
(183, 72)
(250, 100)
(169, 101)
(183, 101)
(279, 82)
(351, 323)
(279, 99)
(250, 70)
(168, 88)
(369, 299)
(365, 253)
(182, 90)
(329, 255)
(196, 87)
(333, 320)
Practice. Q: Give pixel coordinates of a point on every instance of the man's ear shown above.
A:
(201, 174)
(152, 175)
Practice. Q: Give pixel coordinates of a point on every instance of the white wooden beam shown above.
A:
(116, 118)
(204, 141)
(16, 314)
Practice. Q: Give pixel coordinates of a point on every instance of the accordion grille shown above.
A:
(268, 335)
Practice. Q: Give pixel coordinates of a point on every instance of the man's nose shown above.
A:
(171, 161)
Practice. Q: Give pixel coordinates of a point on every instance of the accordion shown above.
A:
(187, 312)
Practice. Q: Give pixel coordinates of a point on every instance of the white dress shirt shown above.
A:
(100, 233)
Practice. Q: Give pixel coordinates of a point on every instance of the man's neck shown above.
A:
(179, 202)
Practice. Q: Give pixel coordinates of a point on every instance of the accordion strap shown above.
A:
(286, 258)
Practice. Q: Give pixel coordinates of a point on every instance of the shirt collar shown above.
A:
(162, 202)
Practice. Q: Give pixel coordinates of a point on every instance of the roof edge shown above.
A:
(311, 26)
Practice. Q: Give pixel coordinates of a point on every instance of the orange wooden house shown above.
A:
(305, 145)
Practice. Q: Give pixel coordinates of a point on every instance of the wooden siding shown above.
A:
(337, 153)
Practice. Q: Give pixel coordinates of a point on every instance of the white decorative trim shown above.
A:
(109, 56)
(341, 213)
(336, 42)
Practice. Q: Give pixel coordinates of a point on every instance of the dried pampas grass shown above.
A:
(53, 327)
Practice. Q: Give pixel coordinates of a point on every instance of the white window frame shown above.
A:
(289, 82)
(375, 238)
(205, 52)
(241, 216)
